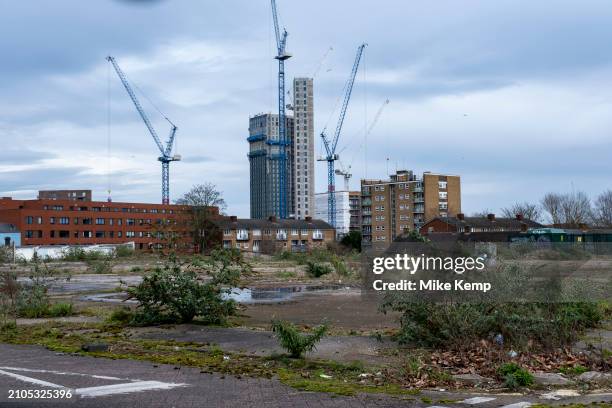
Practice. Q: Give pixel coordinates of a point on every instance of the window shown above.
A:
(442, 185)
(52, 220)
(294, 232)
(87, 234)
(29, 220)
(443, 195)
(227, 232)
(100, 221)
(100, 234)
(129, 221)
(64, 234)
(130, 234)
(64, 220)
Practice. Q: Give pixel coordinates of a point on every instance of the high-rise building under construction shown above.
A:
(264, 156)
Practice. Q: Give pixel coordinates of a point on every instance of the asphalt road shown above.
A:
(97, 382)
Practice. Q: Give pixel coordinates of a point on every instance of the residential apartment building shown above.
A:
(355, 210)
(272, 235)
(67, 195)
(303, 149)
(69, 222)
(404, 202)
(266, 156)
(462, 224)
(343, 214)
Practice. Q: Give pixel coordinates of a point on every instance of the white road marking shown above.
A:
(31, 380)
(90, 392)
(522, 404)
(477, 400)
(100, 377)
(125, 388)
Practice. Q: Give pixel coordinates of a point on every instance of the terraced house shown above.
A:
(273, 235)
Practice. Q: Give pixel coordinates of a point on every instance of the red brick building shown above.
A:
(69, 222)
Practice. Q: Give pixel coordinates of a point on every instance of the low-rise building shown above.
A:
(9, 235)
(490, 223)
(274, 235)
(70, 222)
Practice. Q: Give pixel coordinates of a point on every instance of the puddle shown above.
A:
(240, 295)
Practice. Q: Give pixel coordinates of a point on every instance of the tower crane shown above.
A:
(330, 145)
(346, 171)
(166, 151)
(283, 142)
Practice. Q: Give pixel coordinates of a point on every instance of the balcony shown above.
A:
(281, 236)
(419, 199)
(419, 210)
(418, 189)
(317, 235)
(242, 235)
(366, 203)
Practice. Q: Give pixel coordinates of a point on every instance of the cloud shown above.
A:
(507, 94)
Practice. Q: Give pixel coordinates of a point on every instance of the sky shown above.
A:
(514, 96)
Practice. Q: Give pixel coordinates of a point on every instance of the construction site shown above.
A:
(205, 294)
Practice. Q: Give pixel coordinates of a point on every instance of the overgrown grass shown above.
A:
(316, 269)
(60, 309)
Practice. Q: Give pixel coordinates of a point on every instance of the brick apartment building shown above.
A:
(65, 195)
(77, 222)
(404, 202)
(355, 210)
(274, 235)
(462, 224)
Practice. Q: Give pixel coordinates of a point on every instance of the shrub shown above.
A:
(123, 315)
(176, 293)
(352, 240)
(514, 376)
(32, 301)
(316, 270)
(136, 269)
(6, 255)
(101, 267)
(123, 251)
(60, 309)
(295, 342)
(74, 254)
(455, 325)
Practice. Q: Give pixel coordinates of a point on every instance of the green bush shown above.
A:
(176, 293)
(123, 315)
(295, 342)
(352, 240)
(514, 376)
(316, 270)
(32, 301)
(74, 254)
(60, 310)
(123, 251)
(455, 325)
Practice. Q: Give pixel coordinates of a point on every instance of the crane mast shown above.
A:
(330, 146)
(166, 152)
(283, 142)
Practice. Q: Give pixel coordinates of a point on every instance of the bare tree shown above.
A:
(576, 208)
(482, 213)
(603, 209)
(203, 195)
(527, 210)
(551, 204)
(201, 198)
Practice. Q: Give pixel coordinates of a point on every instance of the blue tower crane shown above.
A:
(283, 141)
(166, 152)
(330, 145)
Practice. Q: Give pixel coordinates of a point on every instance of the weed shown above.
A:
(60, 309)
(316, 270)
(293, 341)
(514, 376)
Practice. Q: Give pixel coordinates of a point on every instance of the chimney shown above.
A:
(519, 217)
(491, 217)
(524, 227)
(272, 218)
(233, 218)
(461, 216)
(308, 218)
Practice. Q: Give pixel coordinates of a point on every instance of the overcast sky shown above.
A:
(515, 96)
